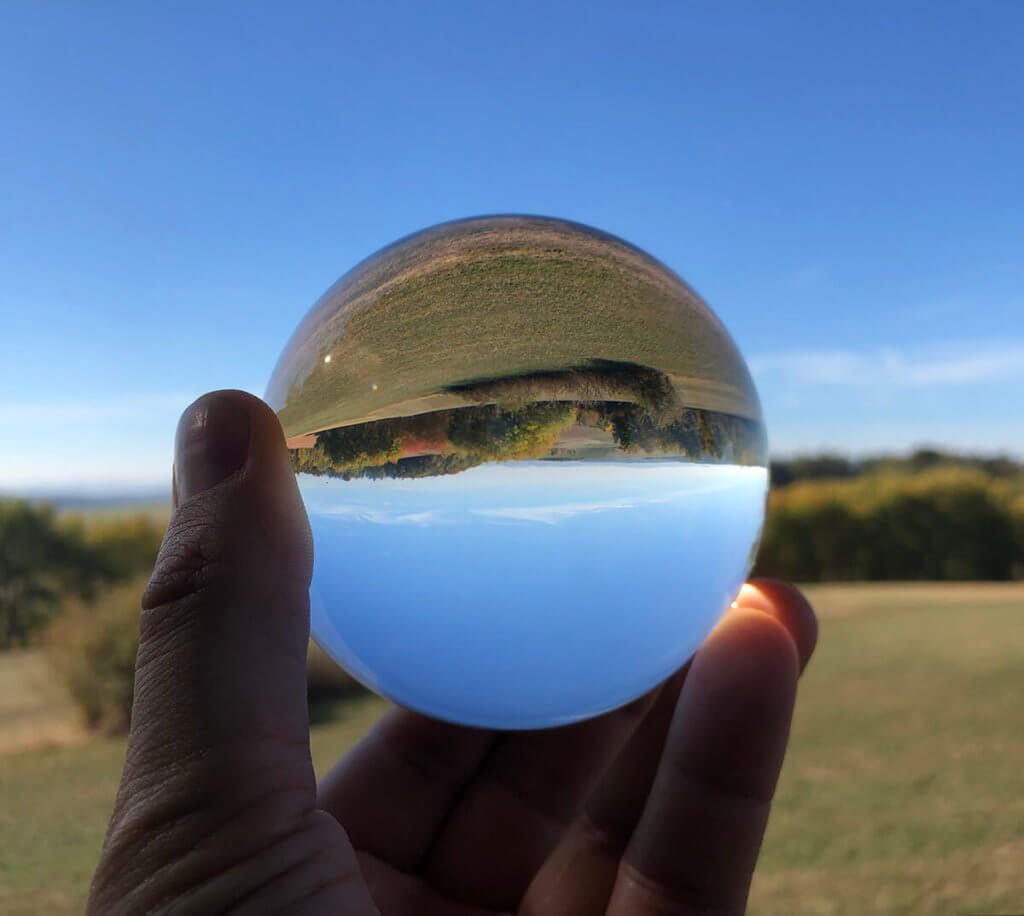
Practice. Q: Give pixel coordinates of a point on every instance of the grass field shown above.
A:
(903, 791)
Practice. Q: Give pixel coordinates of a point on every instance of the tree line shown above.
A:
(892, 519)
(785, 471)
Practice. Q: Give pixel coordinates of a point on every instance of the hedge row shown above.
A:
(947, 523)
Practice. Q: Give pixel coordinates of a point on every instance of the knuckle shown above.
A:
(190, 561)
(189, 557)
(685, 894)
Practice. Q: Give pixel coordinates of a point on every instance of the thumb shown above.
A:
(225, 618)
(218, 791)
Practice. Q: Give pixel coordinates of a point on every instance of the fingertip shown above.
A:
(786, 604)
(265, 426)
(233, 486)
(211, 443)
(751, 645)
(263, 416)
(266, 450)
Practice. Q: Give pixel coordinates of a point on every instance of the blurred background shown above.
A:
(841, 182)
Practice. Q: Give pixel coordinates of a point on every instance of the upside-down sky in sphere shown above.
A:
(528, 594)
(534, 464)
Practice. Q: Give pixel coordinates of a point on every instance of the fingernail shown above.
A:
(211, 444)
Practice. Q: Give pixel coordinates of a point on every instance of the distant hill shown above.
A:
(70, 500)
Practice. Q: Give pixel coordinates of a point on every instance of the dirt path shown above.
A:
(35, 708)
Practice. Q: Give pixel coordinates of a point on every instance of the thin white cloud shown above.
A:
(549, 515)
(552, 515)
(807, 276)
(931, 365)
(380, 516)
(95, 410)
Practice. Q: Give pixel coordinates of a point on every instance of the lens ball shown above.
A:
(534, 464)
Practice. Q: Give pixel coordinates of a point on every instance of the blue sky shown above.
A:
(179, 183)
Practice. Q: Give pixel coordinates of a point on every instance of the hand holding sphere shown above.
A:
(656, 806)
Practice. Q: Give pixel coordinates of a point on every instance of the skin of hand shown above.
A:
(655, 808)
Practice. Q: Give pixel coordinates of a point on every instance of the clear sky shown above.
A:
(844, 184)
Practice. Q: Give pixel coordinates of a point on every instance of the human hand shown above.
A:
(655, 808)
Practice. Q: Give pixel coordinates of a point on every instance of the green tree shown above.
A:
(45, 559)
(39, 562)
(496, 433)
(123, 546)
(945, 523)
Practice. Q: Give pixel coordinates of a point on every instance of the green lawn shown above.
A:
(903, 791)
(904, 788)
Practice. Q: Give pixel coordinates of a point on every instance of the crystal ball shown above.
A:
(534, 464)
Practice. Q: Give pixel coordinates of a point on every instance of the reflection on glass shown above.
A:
(535, 467)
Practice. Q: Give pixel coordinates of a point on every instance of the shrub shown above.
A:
(92, 645)
(46, 558)
(945, 523)
(40, 561)
(124, 546)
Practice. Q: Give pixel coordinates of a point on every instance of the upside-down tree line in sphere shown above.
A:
(470, 436)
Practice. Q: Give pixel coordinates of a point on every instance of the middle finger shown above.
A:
(517, 807)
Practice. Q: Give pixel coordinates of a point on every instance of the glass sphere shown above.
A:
(534, 463)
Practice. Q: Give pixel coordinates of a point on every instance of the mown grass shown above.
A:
(903, 791)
